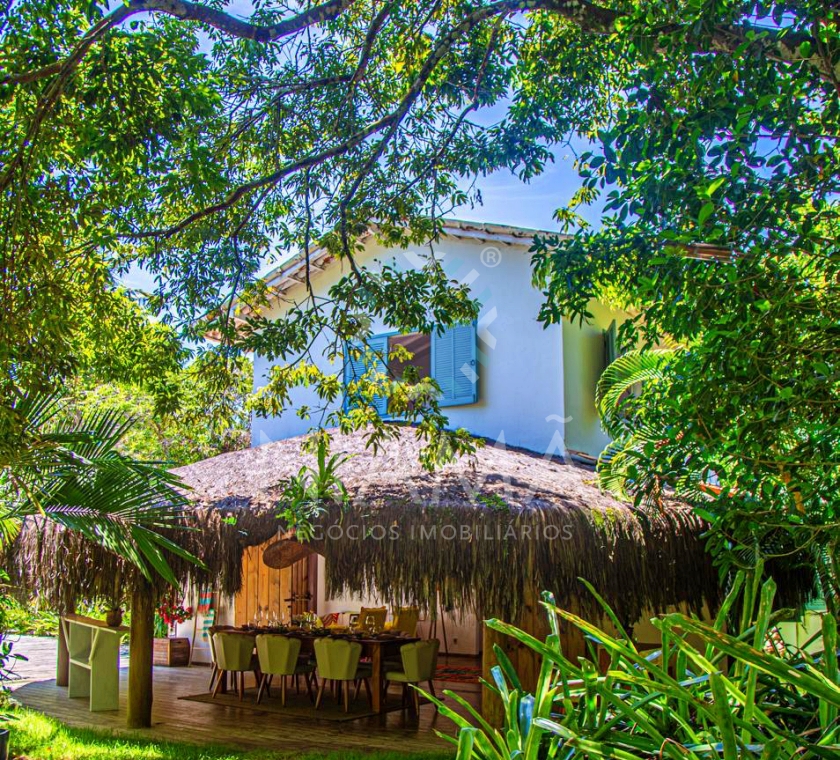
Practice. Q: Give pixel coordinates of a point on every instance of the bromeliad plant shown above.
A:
(168, 614)
(307, 494)
(719, 695)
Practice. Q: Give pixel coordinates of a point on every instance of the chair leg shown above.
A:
(339, 687)
(308, 678)
(432, 692)
(261, 687)
(358, 688)
(347, 697)
(416, 702)
(241, 685)
(404, 695)
(320, 693)
(369, 693)
(268, 685)
(283, 691)
(219, 681)
(213, 675)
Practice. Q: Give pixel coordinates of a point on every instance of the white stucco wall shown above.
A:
(520, 362)
(583, 363)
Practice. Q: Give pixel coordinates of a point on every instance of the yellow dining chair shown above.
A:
(338, 661)
(405, 620)
(377, 613)
(419, 660)
(234, 654)
(211, 632)
(279, 656)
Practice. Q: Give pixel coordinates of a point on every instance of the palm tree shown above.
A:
(620, 465)
(68, 468)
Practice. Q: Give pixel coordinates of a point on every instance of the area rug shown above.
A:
(458, 673)
(297, 705)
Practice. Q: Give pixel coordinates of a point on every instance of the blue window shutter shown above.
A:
(454, 365)
(354, 367)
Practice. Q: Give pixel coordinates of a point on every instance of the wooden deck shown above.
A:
(179, 720)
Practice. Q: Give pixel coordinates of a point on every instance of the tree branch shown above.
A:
(269, 179)
(780, 45)
(389, 122)
(591, 18)
(190, 11)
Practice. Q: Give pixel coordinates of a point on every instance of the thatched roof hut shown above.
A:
(475, 533)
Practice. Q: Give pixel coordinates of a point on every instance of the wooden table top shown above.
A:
(386, 638)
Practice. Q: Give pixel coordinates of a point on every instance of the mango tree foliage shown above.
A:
(191, 141)
(719, 174)
(205, 414)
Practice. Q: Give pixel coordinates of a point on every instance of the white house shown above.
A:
(508, 378)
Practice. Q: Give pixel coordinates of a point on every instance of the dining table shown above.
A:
(375, 647)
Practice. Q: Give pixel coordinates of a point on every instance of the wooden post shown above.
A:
(140, 656)
(62, 668)
(531, 619)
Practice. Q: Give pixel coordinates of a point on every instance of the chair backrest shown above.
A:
(337, 659)
(211, 633)
(233, 650)
(406, 619)
(278, 654)
(377, 613)
(419, 659)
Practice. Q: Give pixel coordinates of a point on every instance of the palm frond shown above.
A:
(71, 471)
(619, 379)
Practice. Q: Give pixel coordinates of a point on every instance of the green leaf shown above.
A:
(705, 212)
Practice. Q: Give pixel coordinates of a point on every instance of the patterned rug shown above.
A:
(458, 673)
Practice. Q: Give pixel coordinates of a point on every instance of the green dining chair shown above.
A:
(338, 661)
(419, 660)
(211, 632)
(234, 654)
(279, 656)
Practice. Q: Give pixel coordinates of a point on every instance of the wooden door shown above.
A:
(270, 590)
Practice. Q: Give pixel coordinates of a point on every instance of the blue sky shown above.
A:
(508, 200)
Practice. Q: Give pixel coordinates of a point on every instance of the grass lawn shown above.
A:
(39, 737)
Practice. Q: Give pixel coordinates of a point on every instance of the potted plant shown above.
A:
(169, 650)
(114, 617)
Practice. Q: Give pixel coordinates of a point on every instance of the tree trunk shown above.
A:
(140, 656)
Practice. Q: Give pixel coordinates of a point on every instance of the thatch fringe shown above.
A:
(473, 535)
(476, 532)
(60, 567)
(483, 561)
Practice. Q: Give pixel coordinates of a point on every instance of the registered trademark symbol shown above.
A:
(491, 257)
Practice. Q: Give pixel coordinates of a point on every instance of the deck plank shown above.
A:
(179, 720)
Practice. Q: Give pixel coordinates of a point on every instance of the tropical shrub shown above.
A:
(720, 695)
(28, 618)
